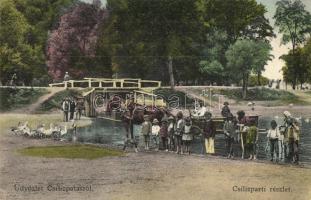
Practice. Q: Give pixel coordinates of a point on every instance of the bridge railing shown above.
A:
(126, 83)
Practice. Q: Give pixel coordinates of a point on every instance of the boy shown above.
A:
(171, 132)
(251, 139)
(146, 131)
(273, 138)
(164, 134)
(155, 133)
(230, 134)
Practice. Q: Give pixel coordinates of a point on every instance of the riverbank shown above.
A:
(144, 175)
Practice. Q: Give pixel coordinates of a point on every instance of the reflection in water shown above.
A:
(110, 132)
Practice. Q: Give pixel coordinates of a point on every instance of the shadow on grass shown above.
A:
(70, 151)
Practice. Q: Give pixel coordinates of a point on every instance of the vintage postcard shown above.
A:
(155, 99)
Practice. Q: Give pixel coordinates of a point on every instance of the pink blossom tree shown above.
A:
(72, 46)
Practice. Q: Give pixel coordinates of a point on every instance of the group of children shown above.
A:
(175, 135)
(281, 140)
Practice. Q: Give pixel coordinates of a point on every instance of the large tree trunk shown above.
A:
(258, 78)
(170, 71)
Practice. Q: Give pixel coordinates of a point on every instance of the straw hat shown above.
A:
(170, 118)
(287, 114)
(155, 121)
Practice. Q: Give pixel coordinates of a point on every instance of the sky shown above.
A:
(273, 68)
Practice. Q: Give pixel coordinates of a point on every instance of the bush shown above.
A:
(12, 98)
(253, 81)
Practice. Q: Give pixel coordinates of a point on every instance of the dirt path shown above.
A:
(34, 106)
(153, 175)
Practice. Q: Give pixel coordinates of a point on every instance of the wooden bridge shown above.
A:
(101, 91)
(106, 83)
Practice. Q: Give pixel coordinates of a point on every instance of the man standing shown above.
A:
(72, 108)
(209, 133)
(65, 108)
(230, 134)
(66, 77)
(292, 136)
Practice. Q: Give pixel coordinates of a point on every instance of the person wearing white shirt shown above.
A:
(155, 133)
(273, 138)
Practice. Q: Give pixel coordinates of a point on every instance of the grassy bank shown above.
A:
(13, 98)
(70, 151)
(271, 96)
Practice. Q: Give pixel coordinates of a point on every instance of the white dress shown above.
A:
(187, 134)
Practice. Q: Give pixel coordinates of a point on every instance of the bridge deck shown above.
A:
(105, 83)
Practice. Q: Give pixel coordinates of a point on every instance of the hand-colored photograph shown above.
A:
(155, 99)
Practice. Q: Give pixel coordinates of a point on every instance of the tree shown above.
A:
(293, 21)
(243, 57)
(13, 27)
(239, 19)
(297, 67)
(161, 40)
(73, 45)
(213, 53)
(263, 55)
(226, 22)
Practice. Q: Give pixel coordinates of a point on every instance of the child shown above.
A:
(209, 132)
(187, 135)
(273, 138)
(230, 133)
(171, 132)
(164, 134)
(146, 131)
(179, 131)
(155, 133)
(251, 139)
(281, 145)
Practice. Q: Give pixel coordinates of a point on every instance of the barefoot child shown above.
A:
(155, 133)
(230, 135)
(146, 131)
(273, 139)
(164, 134)
(187, 135)
(252, 139)
(171, 132)
(179, 131)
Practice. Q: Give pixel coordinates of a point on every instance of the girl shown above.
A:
(187, 135)
(179, 132)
